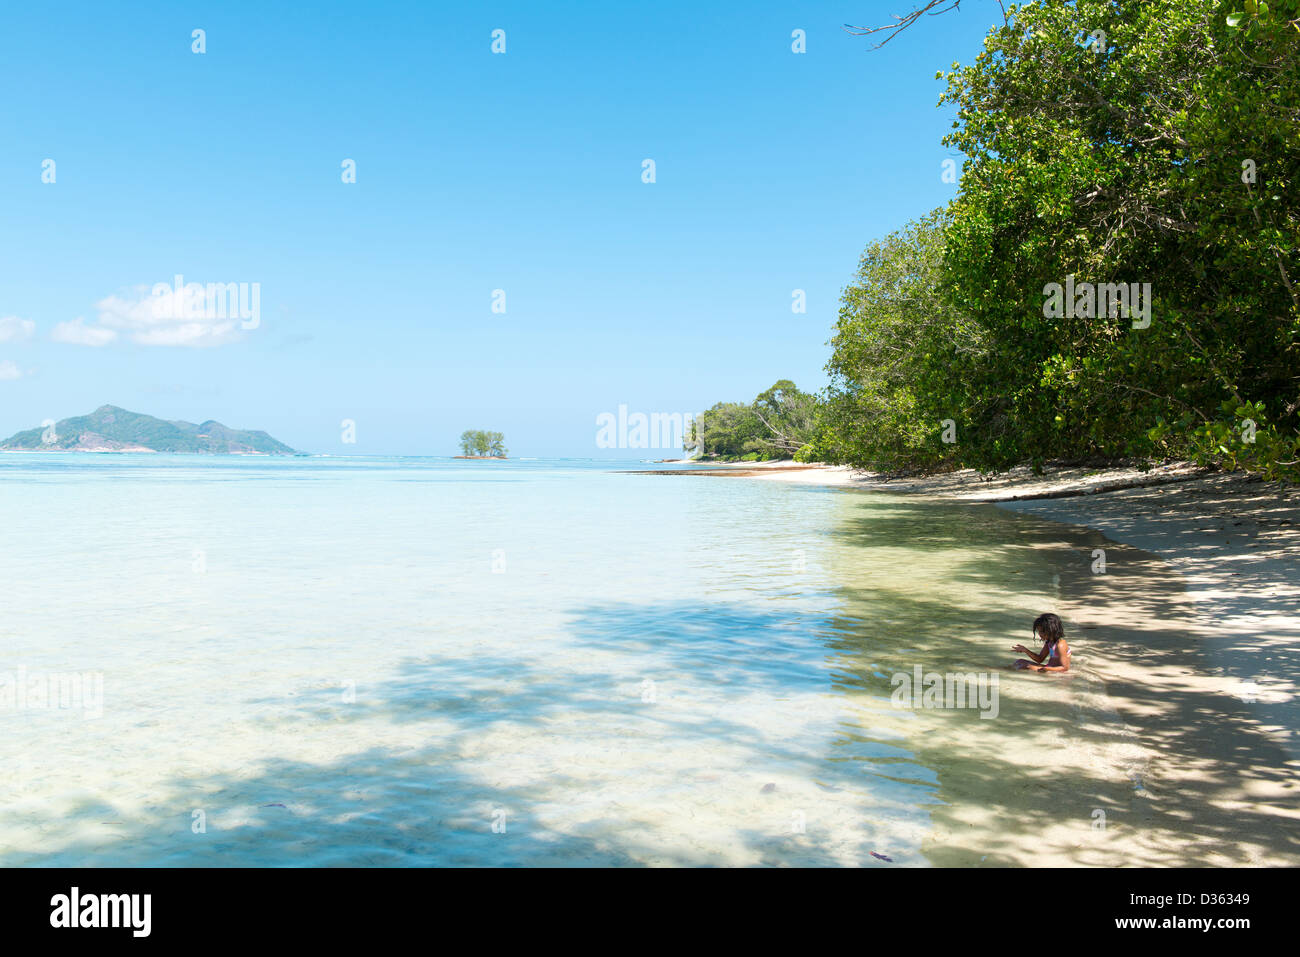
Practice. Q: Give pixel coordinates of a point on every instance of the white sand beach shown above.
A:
(1189, 642)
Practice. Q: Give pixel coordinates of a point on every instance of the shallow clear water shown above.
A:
(423, 661)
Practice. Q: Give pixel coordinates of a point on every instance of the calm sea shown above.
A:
(375, 661)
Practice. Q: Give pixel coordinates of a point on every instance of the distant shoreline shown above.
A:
(1018, 484)
(487, 458)
(144, 451)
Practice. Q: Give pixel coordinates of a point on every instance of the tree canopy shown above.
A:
(481, 443)
(1148, 150)
(777, 424)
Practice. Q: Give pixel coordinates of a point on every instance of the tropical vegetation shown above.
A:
(1118, 275)
(480, 444)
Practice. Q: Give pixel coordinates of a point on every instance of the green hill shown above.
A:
(109, 428)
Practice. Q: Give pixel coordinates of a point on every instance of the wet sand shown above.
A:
(1173, 740)
(1204, 665)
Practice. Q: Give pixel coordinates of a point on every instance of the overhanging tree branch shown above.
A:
(894, 29)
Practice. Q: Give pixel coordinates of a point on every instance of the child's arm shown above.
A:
(1065, 660)
(1036, 655)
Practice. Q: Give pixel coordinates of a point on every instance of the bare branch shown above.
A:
(894, 29)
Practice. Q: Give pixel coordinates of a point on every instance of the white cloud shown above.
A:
(77, 333)
(157, 321)
(13, 329)
(211, 314)
(8, 370)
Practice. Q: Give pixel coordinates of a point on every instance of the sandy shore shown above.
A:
(1185, 695)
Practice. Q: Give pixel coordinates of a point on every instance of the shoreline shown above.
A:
(1189, 658)
(1018, 484)
(134, 450)
(1206, 677)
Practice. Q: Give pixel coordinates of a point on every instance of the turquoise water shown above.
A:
(318, 661)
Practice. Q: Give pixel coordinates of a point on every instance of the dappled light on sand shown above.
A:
(429, 663)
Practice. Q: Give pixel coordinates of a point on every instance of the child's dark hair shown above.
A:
(1049, 627)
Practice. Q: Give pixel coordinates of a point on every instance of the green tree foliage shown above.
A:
(1136, 143)
(789, 416)
(895, 338)
(776, 425)
(479, 442)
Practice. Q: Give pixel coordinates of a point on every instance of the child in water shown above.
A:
(1055, 655)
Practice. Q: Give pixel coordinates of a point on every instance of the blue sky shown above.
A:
(475, 171)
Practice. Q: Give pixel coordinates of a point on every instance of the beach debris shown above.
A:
(882, 857)
(769, 788)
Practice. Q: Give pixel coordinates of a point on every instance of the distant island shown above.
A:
(478, 444)
(110, 429)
